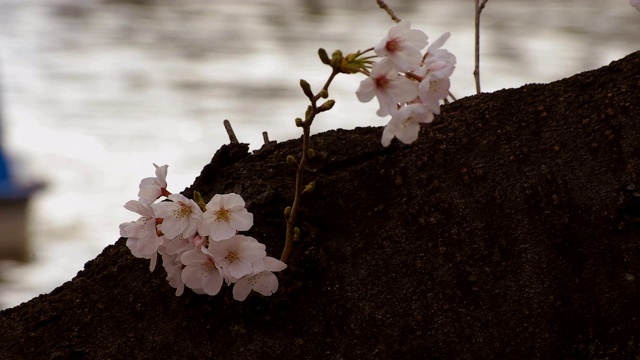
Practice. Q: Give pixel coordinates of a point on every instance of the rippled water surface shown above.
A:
(94, 92)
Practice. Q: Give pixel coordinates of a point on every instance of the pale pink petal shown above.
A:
(404, 90)
(381, 47)
(423, 89)
(406, 60)
(258, 266)
(439, 42)
(172, 227)
(161, 174)
(192, 277)
(150, 192)
(221, 230)
(241, 220)
(408, 132)
(272, 264)
(153, 262)
(238, 269)
(193, 257)
(389, 133)
(204, 227)
(216, 202)
(266, 283)
(388, 105)
(416, 39)
(141, 207)
(212, 284)
(367, 90)
(441, 70)
(143, 247)
(251, 250)
(233, 201)
(241, 289)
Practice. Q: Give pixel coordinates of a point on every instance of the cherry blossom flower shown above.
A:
(173, 266)
(432, 90)
(438, 66)
(390, 88)
(238, 256)
(201, 272)
(180, 216)
(402, 46)
(635, 4)
(436, 54)
(177, 245)
(152, 188)
(405, 124)
(142, 236)
(224, 215)
(264, 282)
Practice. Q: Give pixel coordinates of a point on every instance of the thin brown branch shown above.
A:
(306, 145)
(476, 72)
(383, 5)
(291, 220)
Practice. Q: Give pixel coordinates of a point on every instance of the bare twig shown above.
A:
(265, 137)
(383, 5)
(232, 136)
(476, 71)
(306, 145)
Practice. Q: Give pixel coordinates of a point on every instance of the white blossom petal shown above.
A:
(273, 264)
(233, 201)
(213, 283)
(241, 220)
(266, 283)
(241, 289)
(367, 90)
(220, 221)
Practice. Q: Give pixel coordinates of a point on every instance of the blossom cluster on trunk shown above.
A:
(199, 244)
(409, 85)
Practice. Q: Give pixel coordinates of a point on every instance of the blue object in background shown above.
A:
(5, 176)
(8, 188)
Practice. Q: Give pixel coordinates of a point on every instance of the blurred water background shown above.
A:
(95, 91)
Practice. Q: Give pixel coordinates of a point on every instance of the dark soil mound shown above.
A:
(509, 230)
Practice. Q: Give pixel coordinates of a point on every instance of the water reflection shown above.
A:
(95, 91)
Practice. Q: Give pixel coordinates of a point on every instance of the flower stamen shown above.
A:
(232, 256)
(222, 215)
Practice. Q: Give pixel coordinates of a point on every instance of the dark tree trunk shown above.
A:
(509, 230)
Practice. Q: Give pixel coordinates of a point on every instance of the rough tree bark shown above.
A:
(509, 230)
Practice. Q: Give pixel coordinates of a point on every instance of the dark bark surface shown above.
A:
(509, 230)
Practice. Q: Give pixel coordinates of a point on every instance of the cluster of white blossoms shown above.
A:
(408, 84)
(200, 247)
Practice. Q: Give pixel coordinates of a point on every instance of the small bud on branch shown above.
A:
(327, 105)
(324, 57)
(291, 160)
(309, 188)
(306, 88)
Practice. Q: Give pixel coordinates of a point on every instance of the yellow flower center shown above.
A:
(182, 212)
(222, 215)
(232, 256)
(208, 266)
